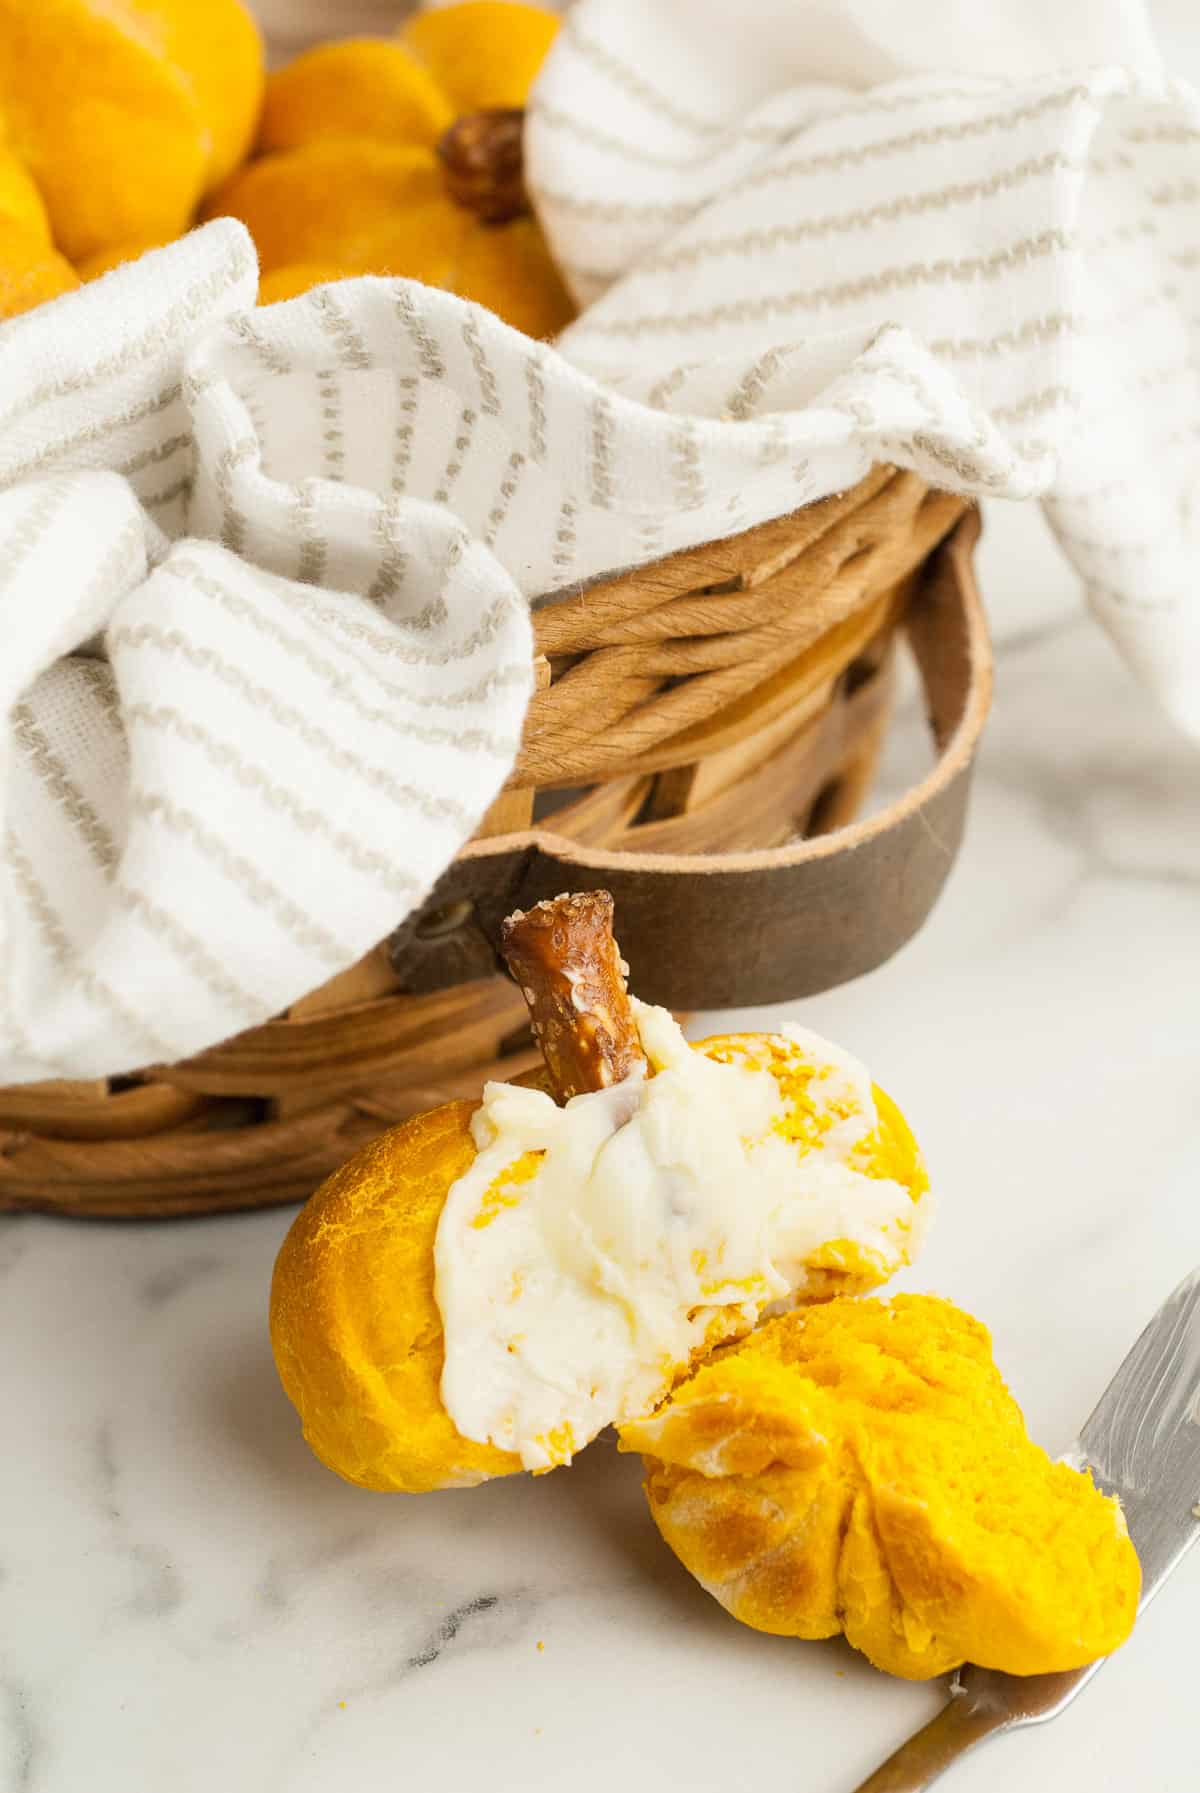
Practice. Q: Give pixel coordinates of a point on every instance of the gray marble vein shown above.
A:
(157, 1589)
(15, 1239)
(172, 1280)
(20, 1737)
(445, 1633)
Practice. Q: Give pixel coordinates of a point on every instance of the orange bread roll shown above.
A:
(861, 1467)
(485, 1287)
(355, 1324)
(402, 156)
(123, 114)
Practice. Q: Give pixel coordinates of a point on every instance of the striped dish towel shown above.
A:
(984, 220)
(265, 574)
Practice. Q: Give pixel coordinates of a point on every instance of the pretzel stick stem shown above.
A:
(563, 955)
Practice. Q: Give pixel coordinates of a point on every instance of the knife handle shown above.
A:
(930, 1751)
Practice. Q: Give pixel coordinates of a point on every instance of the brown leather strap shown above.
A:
(726, 930)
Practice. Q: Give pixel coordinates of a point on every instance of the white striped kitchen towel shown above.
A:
(265, 574)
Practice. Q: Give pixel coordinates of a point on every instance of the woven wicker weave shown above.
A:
(729, 698)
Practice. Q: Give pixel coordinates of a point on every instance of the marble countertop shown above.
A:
(188, 1601)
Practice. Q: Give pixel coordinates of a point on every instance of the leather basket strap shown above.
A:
(737, 929)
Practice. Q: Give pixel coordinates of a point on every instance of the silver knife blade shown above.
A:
(1142, 1443)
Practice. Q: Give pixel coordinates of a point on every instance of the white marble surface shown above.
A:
(188, 1601)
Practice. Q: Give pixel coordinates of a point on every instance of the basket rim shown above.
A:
(640, 671)
(954, 754)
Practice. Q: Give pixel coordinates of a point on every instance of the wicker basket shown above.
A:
(703, 732)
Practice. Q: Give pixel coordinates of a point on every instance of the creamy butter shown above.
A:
(660, 1216)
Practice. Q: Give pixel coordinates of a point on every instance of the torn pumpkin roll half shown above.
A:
(861, 1468)
(486, 1287)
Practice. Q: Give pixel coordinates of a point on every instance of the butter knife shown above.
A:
(1142, 1443)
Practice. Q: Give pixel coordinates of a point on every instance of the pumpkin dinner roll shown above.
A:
(403, 156)
(31, 268)
(122, 115)
(488, 1286)
(860, 1467)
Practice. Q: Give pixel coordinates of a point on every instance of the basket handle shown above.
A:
(732, 930)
